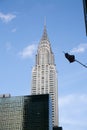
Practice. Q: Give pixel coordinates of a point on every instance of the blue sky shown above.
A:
(21, 28)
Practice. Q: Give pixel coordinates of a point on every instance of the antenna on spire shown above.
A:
(45, 21)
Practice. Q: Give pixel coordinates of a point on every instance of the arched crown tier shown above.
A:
(44, 53)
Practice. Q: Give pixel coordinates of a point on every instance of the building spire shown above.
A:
(45, 21)
(44, 36)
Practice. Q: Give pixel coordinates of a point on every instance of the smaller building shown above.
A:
(26, 112)
(57, 128)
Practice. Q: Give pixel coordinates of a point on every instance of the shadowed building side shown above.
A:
(85, 13)
(37, 113)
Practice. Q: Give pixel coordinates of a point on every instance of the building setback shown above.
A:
(44, 75)
(26, 113)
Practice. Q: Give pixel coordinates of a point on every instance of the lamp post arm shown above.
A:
(81, 63)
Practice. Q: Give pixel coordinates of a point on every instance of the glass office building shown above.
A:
(26, 113)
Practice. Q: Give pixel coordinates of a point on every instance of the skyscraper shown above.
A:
(44, 75)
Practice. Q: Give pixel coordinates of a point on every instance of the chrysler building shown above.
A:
(44, 74)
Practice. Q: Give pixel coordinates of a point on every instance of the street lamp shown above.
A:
(71, 58)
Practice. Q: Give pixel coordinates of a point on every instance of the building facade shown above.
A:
(44, 75)
(26, 113)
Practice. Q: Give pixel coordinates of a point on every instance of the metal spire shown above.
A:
(44, 36)
(45, 21)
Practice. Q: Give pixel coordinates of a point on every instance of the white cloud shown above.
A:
(14, 30)
(79, 49)
(7, 17)
(28, 51)
(73, 109)
(74, 98)
(8, 46)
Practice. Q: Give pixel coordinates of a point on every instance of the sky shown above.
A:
(21, 28)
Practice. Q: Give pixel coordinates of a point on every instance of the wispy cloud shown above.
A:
(8, 46)
(28, 51)
(14, 30)
(73, 107)
(74, 98)
(79, 49)
(7, 17)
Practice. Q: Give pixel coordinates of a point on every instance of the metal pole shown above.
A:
(81, 63)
